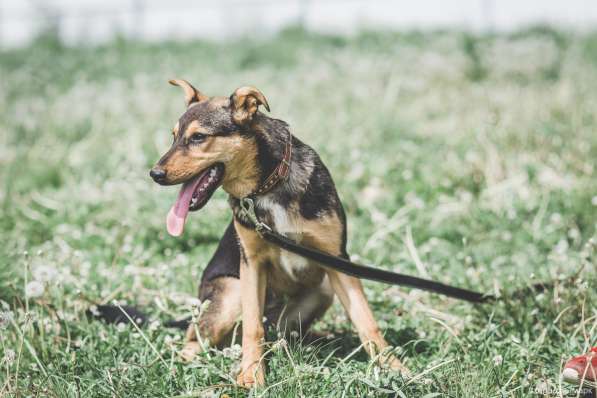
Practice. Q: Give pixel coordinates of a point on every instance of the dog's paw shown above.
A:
(190, 351)
(393, 363)
(252, 375)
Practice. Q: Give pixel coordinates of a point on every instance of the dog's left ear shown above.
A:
(245, 102)
(191, 94)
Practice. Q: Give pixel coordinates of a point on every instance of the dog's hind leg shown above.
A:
(221, 286)
(302, 310)
(217, 322)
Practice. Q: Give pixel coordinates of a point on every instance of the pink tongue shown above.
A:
(178, 213)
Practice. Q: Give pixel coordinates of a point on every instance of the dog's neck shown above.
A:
(261, 152)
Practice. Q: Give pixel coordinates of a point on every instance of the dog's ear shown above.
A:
(244, 103)
(191, 94)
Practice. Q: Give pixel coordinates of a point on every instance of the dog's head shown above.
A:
(211, 147)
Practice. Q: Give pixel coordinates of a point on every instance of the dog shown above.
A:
(229, 142)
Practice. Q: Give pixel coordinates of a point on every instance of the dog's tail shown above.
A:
(112, 314)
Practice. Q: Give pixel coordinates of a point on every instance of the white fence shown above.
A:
(99, 20)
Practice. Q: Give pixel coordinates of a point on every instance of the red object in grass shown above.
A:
(581, 368)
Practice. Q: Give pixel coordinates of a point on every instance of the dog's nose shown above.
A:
(157, 174)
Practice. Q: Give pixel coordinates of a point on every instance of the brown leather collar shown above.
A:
(281, 171)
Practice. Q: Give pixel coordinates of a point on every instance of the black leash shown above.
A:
(357, 270)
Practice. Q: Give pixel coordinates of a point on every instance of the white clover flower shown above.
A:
(376, 372)
(193, 302)
(498, 360)
(6, 318)
(9, 356)
(205, 305)
(232, 352)
(211, 393)
(34, 289)
(44, 273)
(48, 325)
(121, 327)
(154, 325)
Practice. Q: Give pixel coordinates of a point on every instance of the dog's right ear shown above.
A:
(191, 94)
(244, 102)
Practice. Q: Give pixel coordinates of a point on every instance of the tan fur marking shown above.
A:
(191, 94)
(192, 128)
(242, 174)
(326, 229)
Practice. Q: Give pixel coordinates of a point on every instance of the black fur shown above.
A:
(320, 195)
(226, 259)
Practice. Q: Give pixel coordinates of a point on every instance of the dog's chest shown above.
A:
(294, 267)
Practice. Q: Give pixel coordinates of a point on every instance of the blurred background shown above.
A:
(461, 136)
(101, 20)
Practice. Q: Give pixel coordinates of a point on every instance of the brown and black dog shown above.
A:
(228, 142)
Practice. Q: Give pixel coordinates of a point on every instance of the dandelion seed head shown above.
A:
(34, 289)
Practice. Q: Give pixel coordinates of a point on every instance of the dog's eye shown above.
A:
(197, 138)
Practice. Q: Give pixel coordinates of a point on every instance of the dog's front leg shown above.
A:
(253, 280)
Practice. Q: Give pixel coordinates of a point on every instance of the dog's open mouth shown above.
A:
(194, 194)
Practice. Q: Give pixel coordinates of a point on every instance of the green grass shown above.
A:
(477, 152)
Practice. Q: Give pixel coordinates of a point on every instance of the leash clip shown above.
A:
(247, 209)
